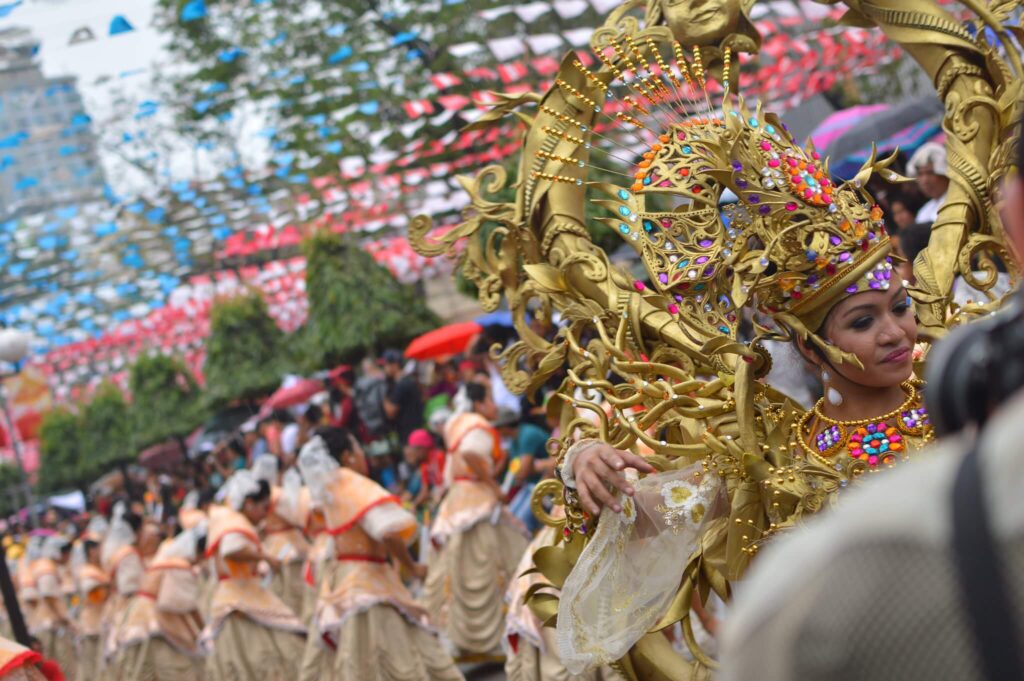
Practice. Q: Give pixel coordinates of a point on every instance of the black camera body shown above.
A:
(976, 368)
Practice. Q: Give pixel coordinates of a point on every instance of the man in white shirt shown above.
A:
(929, 166)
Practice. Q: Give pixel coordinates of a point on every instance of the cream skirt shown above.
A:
(245, 650)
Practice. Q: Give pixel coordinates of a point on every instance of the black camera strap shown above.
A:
(980, 569)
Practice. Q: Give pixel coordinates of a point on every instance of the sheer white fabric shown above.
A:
(265, 468)
(239, 486)
(289, 503)
(386, 519)
(120, 534)
(630, 571)
(129, 574)
(317, 466)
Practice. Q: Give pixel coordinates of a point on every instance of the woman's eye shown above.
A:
(861, 323)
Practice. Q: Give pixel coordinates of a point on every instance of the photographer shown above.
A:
(920, 575)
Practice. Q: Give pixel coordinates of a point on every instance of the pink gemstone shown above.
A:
(774, 163)
(673, 308)
(766, 146)
(811, 170)
(639, 285)
(793, 163)
(816, 155)
(791, 207)
(826, 198)
(896, 437)
(808, 193)
(872, 460)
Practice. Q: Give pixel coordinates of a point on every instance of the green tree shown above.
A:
(106, 432)
(246, 352)
(10, 490)
(166, 400)
(60, 451)
(355, 305)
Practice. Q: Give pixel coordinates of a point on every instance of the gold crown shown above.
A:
(793, 242)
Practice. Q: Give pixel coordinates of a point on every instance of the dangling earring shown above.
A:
(831, 394)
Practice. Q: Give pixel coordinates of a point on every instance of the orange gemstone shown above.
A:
(644, 164)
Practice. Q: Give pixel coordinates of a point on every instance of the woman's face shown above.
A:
(255, 511)
(901, 215)
(355, 459)
(879, 328)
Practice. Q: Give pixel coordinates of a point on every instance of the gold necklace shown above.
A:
(908, 388)
(871, 440)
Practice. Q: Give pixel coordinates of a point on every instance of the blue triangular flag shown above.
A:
(120, 25)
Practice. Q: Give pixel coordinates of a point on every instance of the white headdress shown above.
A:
(265, 468)
(185, 544)
(120, 534)
(52, 546)
(239, 486)
(317, 466)
(191, 500)
(289, 504)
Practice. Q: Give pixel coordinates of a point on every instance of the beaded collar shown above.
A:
(877, 442)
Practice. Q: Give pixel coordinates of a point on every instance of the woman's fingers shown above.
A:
(599, 492)
(638, 462)
(586, 500)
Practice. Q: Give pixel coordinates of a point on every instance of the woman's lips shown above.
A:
(897, 356)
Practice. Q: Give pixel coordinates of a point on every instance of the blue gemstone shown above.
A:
(698, 287)
(753, 122)
(623, 194)
(647, 180)
(624, 211)
(770, 129)
(687, 150)
(624, 228)
(724, 329)
(648, 225)
(810, 181)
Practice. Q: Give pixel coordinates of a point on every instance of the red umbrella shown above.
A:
(297, 393)
(448, 340)
(165, 455)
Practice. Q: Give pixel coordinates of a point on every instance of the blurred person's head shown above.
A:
(913, 240)
(903, 210)
(92, 551)
(257, 504)
(345, 449)
(929, 166)
(507, 423)
(312, 416)
(393, 362)
(419, 445)
(479, 396)
(467, 369)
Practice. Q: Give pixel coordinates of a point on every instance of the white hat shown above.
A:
(931, 154)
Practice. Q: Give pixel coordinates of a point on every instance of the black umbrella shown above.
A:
(885, 124)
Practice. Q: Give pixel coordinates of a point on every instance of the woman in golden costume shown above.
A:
(251, 633)
(734, 460)
(365, 617)
(476, 541)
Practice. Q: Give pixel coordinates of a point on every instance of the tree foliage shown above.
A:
(166, 400)
(60, 451)
(246, 352)
(355, 305)
(106, 429)
(10, 492)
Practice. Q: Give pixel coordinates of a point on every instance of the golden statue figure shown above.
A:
(730, 459)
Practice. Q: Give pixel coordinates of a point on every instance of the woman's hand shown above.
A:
(599, 469)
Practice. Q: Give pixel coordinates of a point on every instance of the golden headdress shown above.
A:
(793, 244)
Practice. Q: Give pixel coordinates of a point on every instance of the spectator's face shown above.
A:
(393, 369)
(1013, 214)
(414, 455)
(932, 185)
(901, 215)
